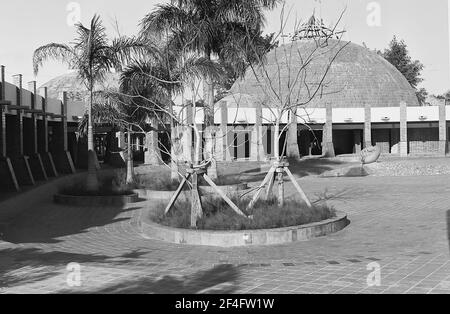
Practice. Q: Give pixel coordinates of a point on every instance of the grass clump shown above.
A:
(155, 183)
(266, 215)
(165, 184)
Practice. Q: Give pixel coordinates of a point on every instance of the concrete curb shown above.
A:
(155, 231)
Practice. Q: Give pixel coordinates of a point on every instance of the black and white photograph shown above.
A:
(227, 155)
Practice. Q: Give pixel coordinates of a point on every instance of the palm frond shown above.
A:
(53, 51)
(195, 68)
(165, 17)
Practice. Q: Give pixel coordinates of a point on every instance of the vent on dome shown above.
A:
(316, 29)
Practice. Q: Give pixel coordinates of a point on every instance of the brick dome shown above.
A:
(358, 76)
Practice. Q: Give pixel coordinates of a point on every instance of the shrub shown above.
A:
(266, 215)
(155, 183)
(110, 185)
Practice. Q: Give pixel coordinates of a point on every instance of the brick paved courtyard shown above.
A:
(401, 223)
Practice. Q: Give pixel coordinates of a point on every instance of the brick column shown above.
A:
(46, 156)
(357, 140)
(18, 127)
(34, 141)
(121, 140)
(2, 113)
(328, 146)
(443, 128)
(256, 142)
(2, 82)
(221, 143)
(31, 140)
(152, 156)
(44, 132)
(68, 165)
(3, 132)
(403, 129)
(186, 140)
(64, 121)
(367, 126)
(15, 133)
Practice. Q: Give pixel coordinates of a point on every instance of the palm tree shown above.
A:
(167, 77)
(93, 56)
(209, 23)
(124, 112)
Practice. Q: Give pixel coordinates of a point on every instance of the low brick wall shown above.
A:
(155, 231)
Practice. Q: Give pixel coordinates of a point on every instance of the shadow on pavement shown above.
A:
(342, 195)
(299, 168)
(222, 279)
(20, 266)
(308, 167)
(47, 224)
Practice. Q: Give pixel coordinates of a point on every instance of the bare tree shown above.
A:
(289, 79)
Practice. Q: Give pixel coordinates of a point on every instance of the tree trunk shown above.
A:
(279, 171)
(292, 138)
(92, 184)
(174, 144)
(280, 189)
(196, 202)
(198, 137)
(130, 168)
(174, 154)
(208, 95)
(276, 141)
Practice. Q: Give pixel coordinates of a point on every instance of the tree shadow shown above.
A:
(222, 279)
(299, 168)
(317, 166)
(21, 266)
(47, 224)
(341, 195)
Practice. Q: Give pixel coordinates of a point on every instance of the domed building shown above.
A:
(348, 98)
(356, 76)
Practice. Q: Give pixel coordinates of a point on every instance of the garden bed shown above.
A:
(113, 191)
(153, 227)
(265, 215)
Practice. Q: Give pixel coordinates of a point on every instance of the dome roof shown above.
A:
(357, 76)
(75, 88)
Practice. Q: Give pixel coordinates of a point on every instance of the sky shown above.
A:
(424, 25)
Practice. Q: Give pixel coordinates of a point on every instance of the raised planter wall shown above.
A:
(152, 230)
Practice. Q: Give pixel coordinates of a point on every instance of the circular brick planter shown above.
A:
(116, 200)
(152, 230)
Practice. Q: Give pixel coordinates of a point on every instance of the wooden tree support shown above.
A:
(277, 172)
(196, 202)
